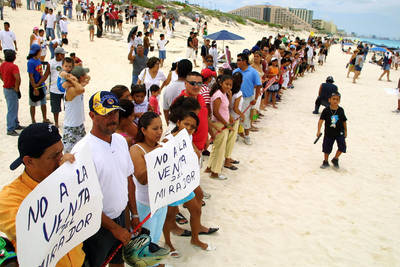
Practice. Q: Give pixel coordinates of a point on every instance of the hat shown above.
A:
(78, 71)
(34, 49)
(255, 48)
(292, 46)
(63, 17)
(246, 51)
(34, 140)
(104, 102)
(35, 28)
(59, 50)
(273, 59)
(206, 73)
(329, 79)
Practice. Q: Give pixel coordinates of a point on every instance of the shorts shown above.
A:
(78, 13)
(309, 59)
(190, 53)
(155, 223)
(273, 88)
(247, 115)
(327, 144)
(386, 67)
(100, 245)
(39, 102)
(71, 136)
(119, 21)
(184, 200)
(357, 68)
(112, 22)
(55, 102)
(162, 54)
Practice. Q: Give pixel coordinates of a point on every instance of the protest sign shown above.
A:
(60, 213)
(172, 171)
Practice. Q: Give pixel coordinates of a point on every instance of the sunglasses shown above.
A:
(195, 83)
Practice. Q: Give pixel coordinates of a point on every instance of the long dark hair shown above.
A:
(180, 105)
(128, 107)
(183, 116)
(144, 122)
(237, 79)
(217, 85)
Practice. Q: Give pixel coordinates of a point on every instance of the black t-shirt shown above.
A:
(327, 90)
(334, 120)
(189, 40)
(277, 43)
(204, 51)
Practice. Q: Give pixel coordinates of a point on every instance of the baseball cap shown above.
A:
(79, 71)
(103, 102)
(292, 46)
(246, 51)
(206, 73)
(330, 79)
(60, 50)
(34, 49)
(35, 28)
(273, 59)
(34, 140)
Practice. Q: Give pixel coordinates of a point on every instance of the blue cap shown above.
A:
(292, 46)
(255, 48)
(34, 49)
(246, 51)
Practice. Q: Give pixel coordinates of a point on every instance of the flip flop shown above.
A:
(177, 254)
(233, 168)
(235, 161)
(180, 219)
(219, 177)
(210, 231)
(186, 233)
(210, 247)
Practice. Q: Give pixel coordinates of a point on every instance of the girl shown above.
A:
(126, 127)
(43, 45)
(153, 101)
(273, 71)
(190, 122)
(91, 22)
(220, 95)
(139, 100)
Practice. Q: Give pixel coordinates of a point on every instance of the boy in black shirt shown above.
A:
(335, 130)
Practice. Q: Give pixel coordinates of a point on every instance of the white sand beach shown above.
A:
(279, 208)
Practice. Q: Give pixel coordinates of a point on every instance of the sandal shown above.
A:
(210, 231)
(233, 168)
(235, 161)
(175, 254)
(180, 219)
(186, 233)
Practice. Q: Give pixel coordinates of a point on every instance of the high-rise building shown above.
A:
(304, 14)
(328, 26)
(273, 14)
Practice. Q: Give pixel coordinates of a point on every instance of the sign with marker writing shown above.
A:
(173, 171)
(60, 213)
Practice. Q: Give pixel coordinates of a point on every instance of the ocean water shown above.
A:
(379, 42)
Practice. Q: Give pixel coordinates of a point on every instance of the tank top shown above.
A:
(142, 191)
(36, 40)
(74, 112)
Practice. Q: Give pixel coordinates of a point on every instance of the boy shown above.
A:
(139, 101)
(335, 130)
(74, 129)
(162, 54)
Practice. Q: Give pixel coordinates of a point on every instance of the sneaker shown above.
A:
(20, 127)
(335, 163)
(247, 140)
(12, 133)
(315, 112)
(325, 164)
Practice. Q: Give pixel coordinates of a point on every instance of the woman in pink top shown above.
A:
(220, 98)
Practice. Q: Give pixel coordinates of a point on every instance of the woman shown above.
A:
(147, 138)
(126, 127)
(359, 62)
(152, 75)
(172, 75)
(91, 22)
(34, 39)
(99, 23)
(214, 53)
(352, 62)
(257, 65)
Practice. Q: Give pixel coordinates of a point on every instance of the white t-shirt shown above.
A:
(50, 19)
(55, 68)
(113, 166)
(7, 40)
(74, 111)
(172, 91)
(310, 52)
(63, 25)
(234, 115)
(149, 81)
(137, 41)
(161, 44)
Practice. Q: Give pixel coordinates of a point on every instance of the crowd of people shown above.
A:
(218, 106)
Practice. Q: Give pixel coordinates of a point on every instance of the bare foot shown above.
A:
(199, 244)
(274, 106)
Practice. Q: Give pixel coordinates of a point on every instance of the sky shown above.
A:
(367, 17)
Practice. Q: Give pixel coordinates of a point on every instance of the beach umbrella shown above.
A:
(378, 49)
(132, 32)
(223, 35)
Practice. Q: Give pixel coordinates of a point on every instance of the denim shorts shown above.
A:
(162, 54)
(328, 142)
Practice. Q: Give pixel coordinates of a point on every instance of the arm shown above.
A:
(166, 116)
(132, 202)
(117, 231)
(139, 164)
(17, 82)
(345, 129)
(216, 105)
(46, 74)
(131, 57)
(236, 108)
(254, 101)
(320, 89)
(72, 90)
(320, 122)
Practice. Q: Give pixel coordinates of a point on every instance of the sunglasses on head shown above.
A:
(192, 83)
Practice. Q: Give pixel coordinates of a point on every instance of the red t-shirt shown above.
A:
(7, 71)
(154, 104)
(200, 136)
(155, 15)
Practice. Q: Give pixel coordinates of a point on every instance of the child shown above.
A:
(139, 100)
(65, 73)
(335, 130)
(273, 71)
(153, 101)
(74, 129)
(221, 119)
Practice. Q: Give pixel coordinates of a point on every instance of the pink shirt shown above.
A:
(223, 108)
(154, 104)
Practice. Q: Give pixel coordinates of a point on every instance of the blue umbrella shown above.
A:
(224, 35)
(378, 49)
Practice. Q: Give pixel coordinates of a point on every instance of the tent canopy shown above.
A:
(223, 35)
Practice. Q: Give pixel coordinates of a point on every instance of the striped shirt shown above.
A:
(205, 92)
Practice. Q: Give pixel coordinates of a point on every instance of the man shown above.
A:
(204, 50)
(172, 91)
(55, 94)
(138, 60)
(251, 81)
(53, 44)
(1, 8)
(190, 54)
(9, 74)
(114, 168)
(324, 93)
(7, 38)
(50, 25)
(40, 150)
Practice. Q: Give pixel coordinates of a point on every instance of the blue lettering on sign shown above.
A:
(41, 207)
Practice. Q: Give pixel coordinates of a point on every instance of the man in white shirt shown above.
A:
(7, 38)
(56, 95)
(50, 25)
(64, 27)
(114, 169)
(162, 53)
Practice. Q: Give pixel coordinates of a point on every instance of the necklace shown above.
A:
(333, 118)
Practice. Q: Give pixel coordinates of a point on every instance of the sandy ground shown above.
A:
(279, 208)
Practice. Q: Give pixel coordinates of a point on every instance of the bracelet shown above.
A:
(135, 216)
